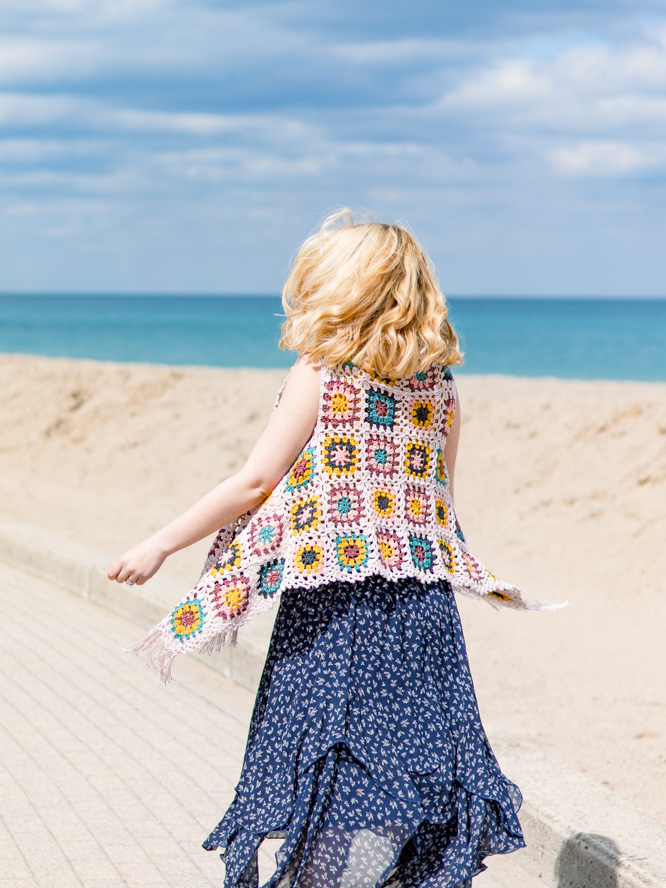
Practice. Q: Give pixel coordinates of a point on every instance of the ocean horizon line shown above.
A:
(93, 294)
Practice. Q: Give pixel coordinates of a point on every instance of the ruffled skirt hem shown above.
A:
(390, 843)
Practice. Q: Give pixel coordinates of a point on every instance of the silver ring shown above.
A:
(130, 583)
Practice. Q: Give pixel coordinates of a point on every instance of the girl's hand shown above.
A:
(138, 564)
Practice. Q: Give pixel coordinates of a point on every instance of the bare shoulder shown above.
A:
(299, 399)
(302, 383)
(306, 370)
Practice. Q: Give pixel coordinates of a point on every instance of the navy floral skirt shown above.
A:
(366, 753)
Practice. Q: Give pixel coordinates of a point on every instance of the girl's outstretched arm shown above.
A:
(288, 430)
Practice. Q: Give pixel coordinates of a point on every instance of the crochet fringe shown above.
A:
(521, 604)
(158, 657)
(542, 606)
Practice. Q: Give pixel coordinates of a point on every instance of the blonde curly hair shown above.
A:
(367, 292)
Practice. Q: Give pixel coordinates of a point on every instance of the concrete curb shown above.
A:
(578, 834)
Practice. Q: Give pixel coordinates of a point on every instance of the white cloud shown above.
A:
(85, 39)
(238, 165)
(602, 158)
(34, 151)
(55, 208)
(591, 111)
(599, 86)
(47, 181)
(277, 127)
(642, 110)
(37, 9)
(511, 82)
(163, 121)
(30, 61)
(118, 43)
(314, 159)
(19, 109)
(400, 50)
(34, 110)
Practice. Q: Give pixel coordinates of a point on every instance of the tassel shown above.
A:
(157, 655)
(542, 606)
(160, 658)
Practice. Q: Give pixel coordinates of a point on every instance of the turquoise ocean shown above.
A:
(584, 338)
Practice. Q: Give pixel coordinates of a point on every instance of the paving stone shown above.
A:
(95, 784)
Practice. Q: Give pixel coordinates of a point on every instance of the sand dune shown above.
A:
(560, 487)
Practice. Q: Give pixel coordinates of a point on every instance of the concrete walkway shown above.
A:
(107, 778)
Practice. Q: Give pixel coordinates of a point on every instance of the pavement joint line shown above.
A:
(200, 734)
(46, 827)
(103, 663)
(139, 739)
(174, 798)
(95, 789)
(178, 830)
(127, 664)
(557, 848)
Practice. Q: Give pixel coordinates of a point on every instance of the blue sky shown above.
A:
(187, 146)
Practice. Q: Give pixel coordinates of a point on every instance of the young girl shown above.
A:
(366, 753)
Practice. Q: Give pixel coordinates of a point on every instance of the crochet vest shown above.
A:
(368, 494)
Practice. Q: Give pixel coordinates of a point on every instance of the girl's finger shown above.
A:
(124, 574)
(113, 570)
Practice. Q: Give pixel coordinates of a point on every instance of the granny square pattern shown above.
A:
(368, 495)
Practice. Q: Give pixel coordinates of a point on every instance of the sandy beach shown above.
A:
(560, 488)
